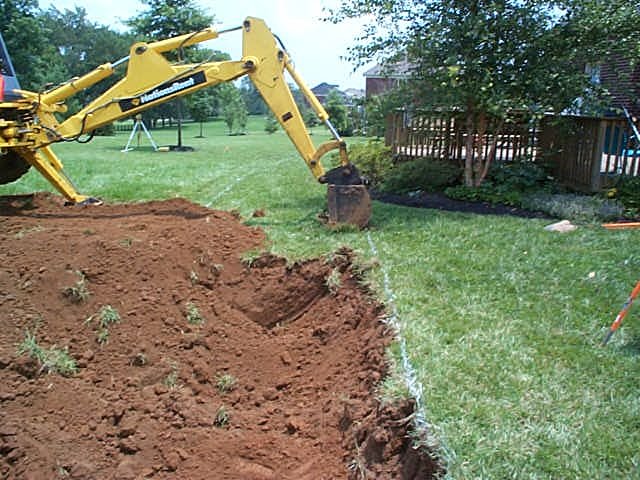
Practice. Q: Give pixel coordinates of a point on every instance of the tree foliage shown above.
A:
(168, 18)
(491, 57)
(338, 113)
(270, 123)
(82, 45)
(200, 106)
(34, 58)
(252, 98)
(205, 102)
(232, 108)
(165, 19)
(378, 107)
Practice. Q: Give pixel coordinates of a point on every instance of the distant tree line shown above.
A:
(51, 46)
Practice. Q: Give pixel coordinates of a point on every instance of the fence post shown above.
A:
(596, 159)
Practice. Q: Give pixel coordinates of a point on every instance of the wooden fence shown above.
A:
(588, 153)
(584, 153)
(443, 136)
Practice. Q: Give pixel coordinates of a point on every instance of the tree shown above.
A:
(168, 18)
(35, 60)
(489, 58)
(83, 45)
(378, 107)
(204, 103)
(252, 98)
(200, 105)
(356, 115)
(338, 114)
(308, 114)
(270, 123)
(232, 108)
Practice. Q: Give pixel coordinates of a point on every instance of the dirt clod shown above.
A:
(145, 403)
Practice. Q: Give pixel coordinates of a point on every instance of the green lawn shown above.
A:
(502, 319)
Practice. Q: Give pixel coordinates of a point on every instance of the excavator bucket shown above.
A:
(349, 204)
(348, 200)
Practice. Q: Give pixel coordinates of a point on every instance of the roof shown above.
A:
(401, 69)
(354, 92)
(324, 88)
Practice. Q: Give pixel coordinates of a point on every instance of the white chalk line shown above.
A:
(225, 190)
(423, 427)
(239, 179)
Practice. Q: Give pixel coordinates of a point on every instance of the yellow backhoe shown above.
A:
(28, 124)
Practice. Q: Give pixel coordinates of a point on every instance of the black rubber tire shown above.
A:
(12, 167)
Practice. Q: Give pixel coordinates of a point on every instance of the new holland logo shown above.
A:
(165, 90)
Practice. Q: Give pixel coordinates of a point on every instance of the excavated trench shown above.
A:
(219, 366)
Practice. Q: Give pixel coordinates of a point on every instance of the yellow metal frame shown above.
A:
(151, 80)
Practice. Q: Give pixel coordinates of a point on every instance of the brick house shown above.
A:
(322, 90)
(621, 80)
(381, 79)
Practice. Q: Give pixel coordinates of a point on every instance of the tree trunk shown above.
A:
(480, 157)
(179, 111)
(479, 152)
(491, 153)
(468, 154)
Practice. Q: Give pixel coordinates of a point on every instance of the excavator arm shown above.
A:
(150, 80)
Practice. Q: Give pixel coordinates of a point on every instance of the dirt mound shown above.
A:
(192, 362)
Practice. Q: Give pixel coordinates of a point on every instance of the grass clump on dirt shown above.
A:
(79, 292)
(222, 417)
(106, 317)
(225, 383)
(171, 381)
(139, 360)
(27, 231)
(333, 282)
(194, 317)
(250, 256)
(51, 360)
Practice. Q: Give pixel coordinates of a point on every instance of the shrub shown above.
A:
(270, 124)
(108, 130)
(507, 183)
(628, 193)
(373, 159)
(422, 174)
(519, 176)
(579, 208)
(487, 192)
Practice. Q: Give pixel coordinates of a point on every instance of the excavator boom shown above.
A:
(28, 124)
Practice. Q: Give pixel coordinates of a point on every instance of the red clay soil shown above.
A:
(216, 369)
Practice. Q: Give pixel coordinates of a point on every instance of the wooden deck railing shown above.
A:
(584, 153)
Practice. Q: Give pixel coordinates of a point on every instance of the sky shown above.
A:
(316, 47)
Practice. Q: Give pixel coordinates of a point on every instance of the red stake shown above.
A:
(625, 308)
